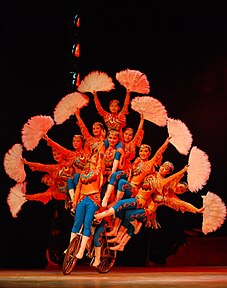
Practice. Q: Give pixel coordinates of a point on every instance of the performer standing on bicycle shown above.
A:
(87, 198)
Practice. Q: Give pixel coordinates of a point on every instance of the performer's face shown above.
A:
(128, 135)
(164, 169)
(57, 156)
(114, 107)
(113, 139)
(181, 188)
(97, 130)
(77, 142)
(144, 153)
(49, 181)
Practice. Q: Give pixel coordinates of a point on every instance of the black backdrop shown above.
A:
(179, 45)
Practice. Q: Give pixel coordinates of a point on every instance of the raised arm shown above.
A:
(124, 109)
(84, 131)
(138, 138)
(98, 105)
(157, 158)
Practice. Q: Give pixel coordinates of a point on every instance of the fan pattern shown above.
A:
(134, 80)
(198, 168)
(214, 213)
(180, 135)
(35, 129)
(13, 163)
(96, 81)
(151, 108)
(68, 105)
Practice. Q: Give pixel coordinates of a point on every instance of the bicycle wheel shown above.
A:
(70, 256)
(108, 258)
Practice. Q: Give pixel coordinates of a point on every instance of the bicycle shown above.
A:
(108, 256)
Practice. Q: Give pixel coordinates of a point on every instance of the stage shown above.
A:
(118, 277)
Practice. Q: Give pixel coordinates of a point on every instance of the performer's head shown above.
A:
(58, 157)
(113, 137)
(78, 142)
(98, 129)
(145, 152)
(166, 168)
(128, 134)
(48, 180)
(181, 187)
(114, 106)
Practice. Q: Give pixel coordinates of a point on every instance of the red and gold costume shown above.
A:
(113, 121)
(140, 168)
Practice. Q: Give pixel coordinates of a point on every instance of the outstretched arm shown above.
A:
(35, 166)
(175, 177)
(56, 146)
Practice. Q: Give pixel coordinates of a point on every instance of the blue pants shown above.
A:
(136, 214)
(72, 182)
(116, 177)
(85, 211)
(125, 204)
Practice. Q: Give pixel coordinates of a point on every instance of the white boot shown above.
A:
(97, 257)
(72, 236)
(105, 213)
(113, 232)
(71, 193)
(121, 245)
(80, 253)
(109, 190)
(137, 225)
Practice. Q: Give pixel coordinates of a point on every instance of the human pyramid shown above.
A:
(103, 178)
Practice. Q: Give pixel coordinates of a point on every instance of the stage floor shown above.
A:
(118, 277)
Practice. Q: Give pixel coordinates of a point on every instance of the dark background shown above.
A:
(181, 46)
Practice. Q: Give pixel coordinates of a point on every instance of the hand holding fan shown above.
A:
(180, 135)
(214, 213)
(199, 169)
(134, 81)
(68, 105)
(96, 81)
(35, 129)
(151, 108)
(13, 163)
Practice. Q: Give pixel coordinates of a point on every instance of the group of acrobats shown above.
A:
(111, 177)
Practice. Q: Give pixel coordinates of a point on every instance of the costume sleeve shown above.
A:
(150, 209)
(124, 109)
(98, 106)
(138, 138)
(84, 131)
(57, 147)
(175, 178)
(35, 166)
(157, 158)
